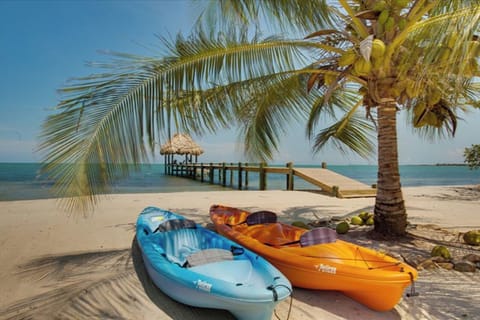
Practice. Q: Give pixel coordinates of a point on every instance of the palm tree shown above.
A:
(353, 63)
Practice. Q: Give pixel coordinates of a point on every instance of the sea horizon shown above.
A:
(22, 180)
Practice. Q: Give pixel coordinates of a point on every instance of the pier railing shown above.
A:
(226, 174)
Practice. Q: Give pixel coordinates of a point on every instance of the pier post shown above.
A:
(231, 174)
(239, 176)
(336, 191)
(211, 173)
(246, 176)
(224, 174)
(193, 171)
(165, 164)
(262, 177)
(290, 176)
(201, 172)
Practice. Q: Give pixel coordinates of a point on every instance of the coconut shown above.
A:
(379, 5)
(364, 215)
(370, 221)
(472, 237)
(400, 3)
(383, 17)
(402, 23)
(378, 48)
(362, 67)
(441, 251)
(342, 227)
(390, 24)
(356, 220)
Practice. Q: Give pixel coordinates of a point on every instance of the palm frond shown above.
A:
(105, 121)
(353, 137)
(226, 74)
(440, 43)
(340, 101)
(290, 16)
(352, 130)
(266, 107)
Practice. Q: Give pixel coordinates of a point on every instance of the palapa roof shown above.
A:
(181, 144)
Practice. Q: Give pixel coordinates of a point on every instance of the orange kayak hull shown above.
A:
(370, 277)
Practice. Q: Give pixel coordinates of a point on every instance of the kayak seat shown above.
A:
(175, 224)
(208, 256)
(179, 244)
(318, 236)
(261, 217)
(271, 234)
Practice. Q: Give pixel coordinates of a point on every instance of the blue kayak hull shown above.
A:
(235, 279)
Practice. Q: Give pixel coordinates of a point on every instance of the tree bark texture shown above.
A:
(390, 213)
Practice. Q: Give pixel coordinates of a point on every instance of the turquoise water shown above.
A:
(21, 181)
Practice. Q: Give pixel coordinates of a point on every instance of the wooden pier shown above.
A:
(328, 181)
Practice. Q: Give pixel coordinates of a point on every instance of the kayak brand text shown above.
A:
(327, 269)
(203, 285)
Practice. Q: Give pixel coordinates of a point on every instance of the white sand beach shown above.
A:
(57, 265)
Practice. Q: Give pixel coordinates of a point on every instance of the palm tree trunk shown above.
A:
(390, 213)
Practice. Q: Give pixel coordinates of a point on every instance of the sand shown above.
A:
(56, 265)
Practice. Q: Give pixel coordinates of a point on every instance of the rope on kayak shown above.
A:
(374, 268)
(412, 293)
(356, 259)
(291, 299)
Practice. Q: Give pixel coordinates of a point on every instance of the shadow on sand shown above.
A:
(113, 284)
(109, 284)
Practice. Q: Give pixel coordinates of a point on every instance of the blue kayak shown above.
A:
(201, 268)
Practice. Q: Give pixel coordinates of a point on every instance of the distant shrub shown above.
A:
(472, 156)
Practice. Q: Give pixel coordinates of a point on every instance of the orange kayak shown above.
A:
(315, 259)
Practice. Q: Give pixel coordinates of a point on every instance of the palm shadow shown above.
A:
(110, 284)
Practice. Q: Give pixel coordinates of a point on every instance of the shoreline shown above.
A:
(22, 182)
(92, 264)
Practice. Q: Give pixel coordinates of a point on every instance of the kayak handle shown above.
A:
(236, 251)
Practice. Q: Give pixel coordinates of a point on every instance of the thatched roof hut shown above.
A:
(181, 144)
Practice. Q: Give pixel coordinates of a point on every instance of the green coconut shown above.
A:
(370, 221)
(364, 215)
(378, 48)
(472, 237)
(362, 67)
(441, 251)
(342, 227)
(390, 24)
(379, 5)
(383, 17)
(400, 3)
(356, 220)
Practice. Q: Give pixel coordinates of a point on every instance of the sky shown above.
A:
(43, 44)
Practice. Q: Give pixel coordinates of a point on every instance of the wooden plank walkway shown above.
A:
(334, 183)
(328, 181)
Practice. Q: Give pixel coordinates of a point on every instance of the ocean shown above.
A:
(21, 181)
